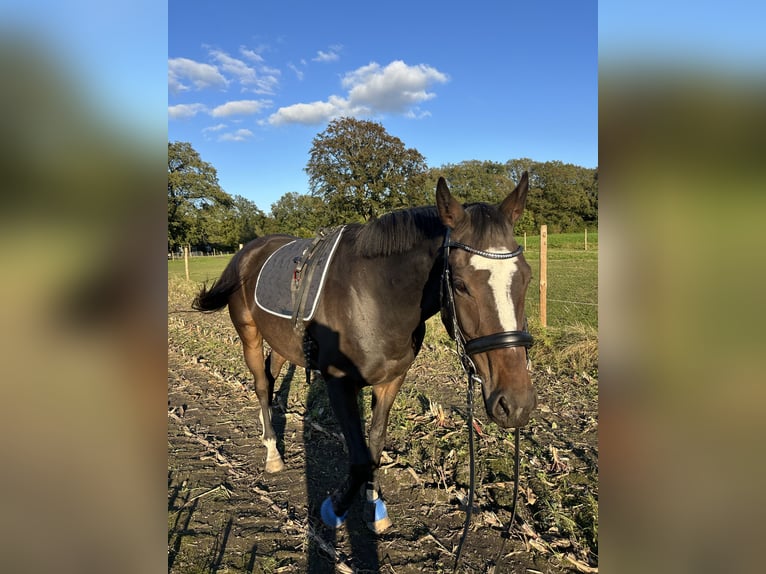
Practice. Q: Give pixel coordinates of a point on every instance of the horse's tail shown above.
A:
(217, 297)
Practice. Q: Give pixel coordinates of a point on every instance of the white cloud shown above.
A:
(238, 136)
(416, 114)
(240, 107)
(251, 54)
(306, 114)
(397, 89)
(185, 74)
(262, 80)
(325, 57)
(330, 56)
(215, 128)
(234, 66)
(199, 74)
(298, 72)
(185, 111)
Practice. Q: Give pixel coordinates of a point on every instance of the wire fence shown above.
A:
(565, 279)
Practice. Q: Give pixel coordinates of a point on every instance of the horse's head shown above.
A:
(489, 279)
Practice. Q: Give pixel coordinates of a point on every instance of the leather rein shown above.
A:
(465, 350)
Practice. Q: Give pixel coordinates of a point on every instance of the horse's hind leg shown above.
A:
(252, 344)
(274, 362)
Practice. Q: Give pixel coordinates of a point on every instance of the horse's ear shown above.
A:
(513, 205)
(450, 211)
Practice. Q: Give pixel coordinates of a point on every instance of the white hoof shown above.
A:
(375, 513)
(274, 465)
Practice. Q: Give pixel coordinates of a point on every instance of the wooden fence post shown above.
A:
(544, 275)
(586, 239)
(186, 260)
(525, 241)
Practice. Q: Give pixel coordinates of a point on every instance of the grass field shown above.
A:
(201, 269)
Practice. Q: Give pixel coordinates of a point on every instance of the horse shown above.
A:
(386, 278)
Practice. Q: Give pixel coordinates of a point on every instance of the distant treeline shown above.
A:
(357, 172)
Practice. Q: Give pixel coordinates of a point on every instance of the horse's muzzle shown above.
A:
(511, 409)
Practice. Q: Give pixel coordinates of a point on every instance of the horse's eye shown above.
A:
(460, 286)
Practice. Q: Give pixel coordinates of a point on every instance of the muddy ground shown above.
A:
(225, 514)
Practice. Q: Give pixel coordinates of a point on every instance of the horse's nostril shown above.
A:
(502, 409)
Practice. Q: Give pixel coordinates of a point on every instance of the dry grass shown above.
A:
(425, 463)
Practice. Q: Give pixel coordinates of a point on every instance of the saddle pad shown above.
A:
(273, 292)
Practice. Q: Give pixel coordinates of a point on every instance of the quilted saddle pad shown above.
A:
(275, 289)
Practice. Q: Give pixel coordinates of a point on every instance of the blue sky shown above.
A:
(710, 35)
(251, 83)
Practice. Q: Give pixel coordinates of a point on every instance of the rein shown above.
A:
(465, 349)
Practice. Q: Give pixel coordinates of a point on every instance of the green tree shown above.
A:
(360, 171)
(249, 221)
(562, 196)
(476, 180)
(225, 227)
(298, 214)
(192, 186)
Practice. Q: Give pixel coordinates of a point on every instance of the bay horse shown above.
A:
(386, 279)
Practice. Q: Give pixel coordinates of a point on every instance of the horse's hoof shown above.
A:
(274, 465)
(376, 515)
(329, 517)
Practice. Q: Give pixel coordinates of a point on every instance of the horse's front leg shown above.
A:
(343, 393)
(383, 395)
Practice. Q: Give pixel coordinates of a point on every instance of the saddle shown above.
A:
(290, 282)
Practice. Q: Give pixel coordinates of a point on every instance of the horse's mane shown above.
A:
(397, 232)
(402, 230)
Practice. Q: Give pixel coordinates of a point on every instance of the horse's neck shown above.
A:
(430, 303)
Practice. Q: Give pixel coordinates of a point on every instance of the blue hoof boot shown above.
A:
(328, 514)
(376, 515)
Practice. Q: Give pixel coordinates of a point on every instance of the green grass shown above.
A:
(201, 269)
(572, 288)
(575, 241)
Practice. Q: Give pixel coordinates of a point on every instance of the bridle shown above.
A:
(465, 350)
(488, 342)
(468, 348)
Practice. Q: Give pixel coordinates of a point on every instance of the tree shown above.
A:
(250, 221)
(475, 180)
(225, 227)
(361, 171)
(298, 214)
(562, 196)
(192, 186)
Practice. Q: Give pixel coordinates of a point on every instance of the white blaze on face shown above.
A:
(501, 272)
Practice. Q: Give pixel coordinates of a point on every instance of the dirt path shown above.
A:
(226, 515)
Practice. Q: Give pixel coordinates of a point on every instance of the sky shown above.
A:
(252, 83)
(720, 36)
